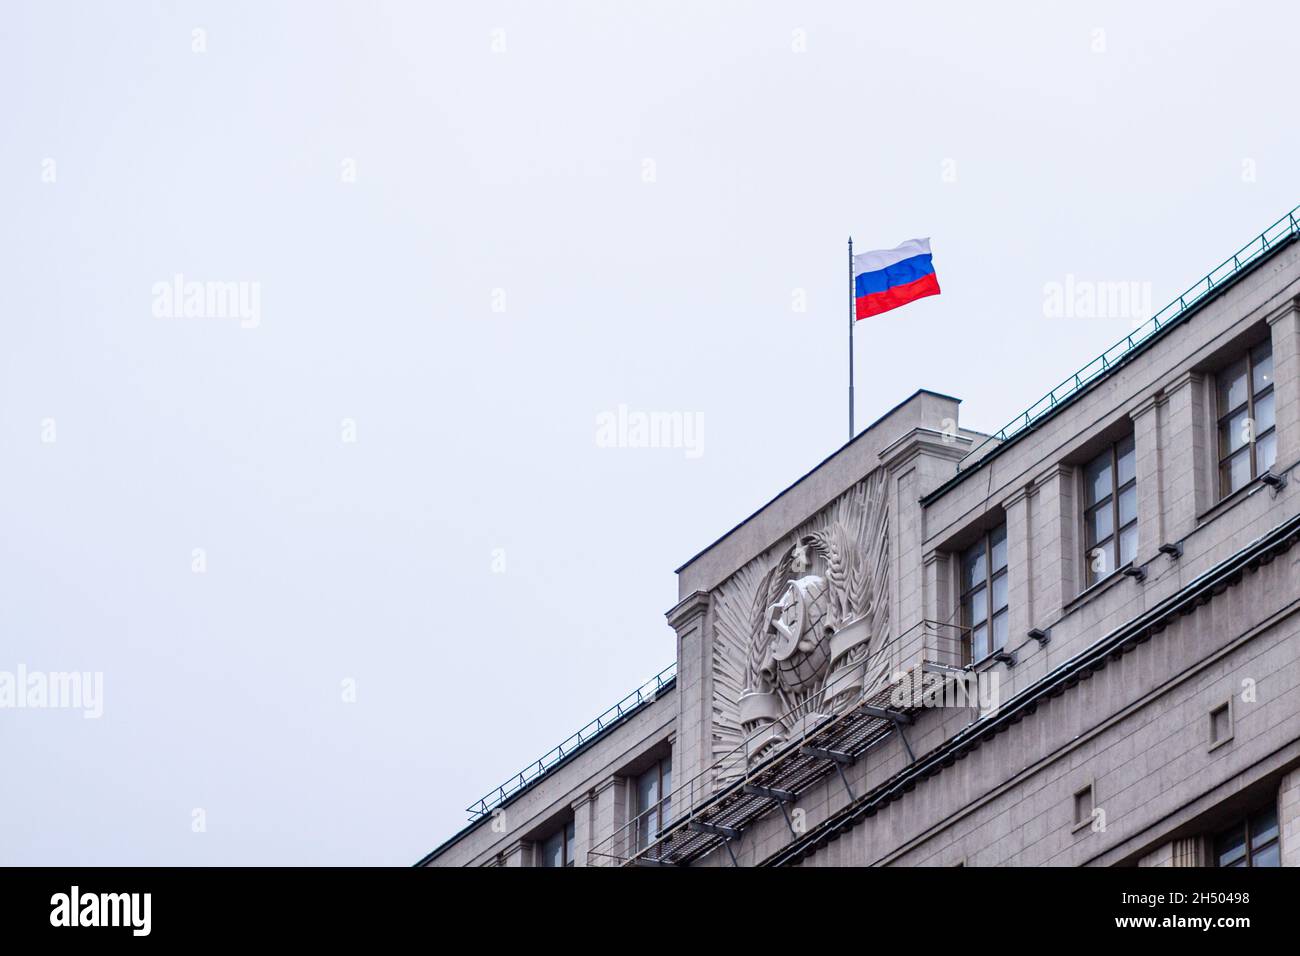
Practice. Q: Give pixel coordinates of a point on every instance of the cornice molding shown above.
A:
(923, 440)
(1184, 378)
(1017, 496)
(684, 612)
(1144, 405)
(1058, 470)
(1281, 311)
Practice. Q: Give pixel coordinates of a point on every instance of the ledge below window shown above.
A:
(1090, 592)
(1228, 503)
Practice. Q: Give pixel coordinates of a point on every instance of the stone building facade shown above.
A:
(1074, 642)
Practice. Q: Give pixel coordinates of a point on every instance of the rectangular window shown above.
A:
(1250, 842)
(1110, 510)
(1220, 725)
(1084, 805)
(1247, 432)
(557, 849)
(653, 790)
(984, 596)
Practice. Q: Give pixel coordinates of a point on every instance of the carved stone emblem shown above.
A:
(810, 630)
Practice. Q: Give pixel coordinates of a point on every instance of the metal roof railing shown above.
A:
(643, 695)
(1284, 229)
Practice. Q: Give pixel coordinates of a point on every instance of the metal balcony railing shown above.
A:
(715, 806)
(1284, 229)
(625, 708)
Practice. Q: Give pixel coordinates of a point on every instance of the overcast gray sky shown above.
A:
(473, 229)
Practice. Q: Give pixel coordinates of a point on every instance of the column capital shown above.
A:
(1282, 310)
(1058, 470)
(923, 440)
(1145, 405)
(1183, 379)
(1016, 496)
(687, 609)
(517, 853)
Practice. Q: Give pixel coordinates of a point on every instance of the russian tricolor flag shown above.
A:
(888, 278)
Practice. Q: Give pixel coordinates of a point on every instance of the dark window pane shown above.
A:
(1231, 846)
(998, 547)
(1268, 856)
(1261, 356)
(978, 606)
(979, 642)
(1100, 522)
(1097, 483)
(1266, 452)
(1128, 505)
(1234, 432)
(1128, 544)
(1263, 826)
(553, 849)
(1264, 417)
(1232, 386)
(999, 600)
(1126, 461)
(568, 845)
(999, 623)
(972, 567)
(1235, 472)
(647, 789)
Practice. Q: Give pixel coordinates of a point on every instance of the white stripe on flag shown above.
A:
(882, 258)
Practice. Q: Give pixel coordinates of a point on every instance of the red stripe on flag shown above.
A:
(878, 302)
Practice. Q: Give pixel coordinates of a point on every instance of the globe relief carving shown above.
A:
(807, 630)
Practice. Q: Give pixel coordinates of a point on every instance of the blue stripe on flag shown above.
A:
(900, 273)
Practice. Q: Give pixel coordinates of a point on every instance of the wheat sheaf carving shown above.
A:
(848, 542)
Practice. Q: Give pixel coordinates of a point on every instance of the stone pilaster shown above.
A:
(1020, 561)
(1150, 476)
(584, 811)
(1187, 456)
(916, 462)
(609, 820)
(690, 619)
(1055, 558)
(1284, 324)
(1288, 817)
(519, 853)
(940, 607)
(1185, 851)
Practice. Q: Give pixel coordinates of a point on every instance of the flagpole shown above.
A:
(852, 320)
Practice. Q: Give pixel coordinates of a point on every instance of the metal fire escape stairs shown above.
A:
(707, 819)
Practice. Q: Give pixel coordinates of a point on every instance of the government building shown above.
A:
(1074, 642)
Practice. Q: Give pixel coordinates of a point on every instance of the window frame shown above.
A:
(1249, 850)
(1110, 501)
(1224, 416)
(1088, 793)
(991, 575)
(566, 832)
(663, 769)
